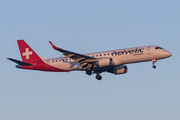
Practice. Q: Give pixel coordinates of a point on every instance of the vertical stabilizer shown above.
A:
(27, 53)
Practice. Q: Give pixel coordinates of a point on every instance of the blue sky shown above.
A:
(84, 27)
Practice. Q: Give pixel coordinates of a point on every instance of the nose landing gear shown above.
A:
(154, 61)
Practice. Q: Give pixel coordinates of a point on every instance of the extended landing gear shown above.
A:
(154, 61)
(154, 66)
(88, 72)
(99, 77)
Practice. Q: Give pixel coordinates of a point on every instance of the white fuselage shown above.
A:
(93, 63)
(119, 57)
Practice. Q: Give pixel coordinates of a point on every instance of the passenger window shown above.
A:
(96, 55)
(104, 54)
(100, 54)
(59, 60)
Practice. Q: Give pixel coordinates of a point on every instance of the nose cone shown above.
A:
(168, 54)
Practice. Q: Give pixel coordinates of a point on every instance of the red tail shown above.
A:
(27, 53)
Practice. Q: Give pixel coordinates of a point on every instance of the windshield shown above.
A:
(158, 48)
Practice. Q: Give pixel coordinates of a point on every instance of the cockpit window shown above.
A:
(158, 48)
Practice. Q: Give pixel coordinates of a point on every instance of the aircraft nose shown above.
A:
(168, 54)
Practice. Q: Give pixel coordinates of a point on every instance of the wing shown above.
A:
(84, 60)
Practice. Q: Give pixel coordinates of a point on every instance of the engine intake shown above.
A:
(104, 62)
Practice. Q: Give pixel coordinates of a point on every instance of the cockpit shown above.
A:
(159, 48)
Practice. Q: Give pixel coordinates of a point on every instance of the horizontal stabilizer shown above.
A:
(20, 62)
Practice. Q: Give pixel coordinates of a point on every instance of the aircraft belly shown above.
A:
(67, 66)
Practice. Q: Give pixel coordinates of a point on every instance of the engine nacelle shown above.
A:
(103, 62)
(120, 69)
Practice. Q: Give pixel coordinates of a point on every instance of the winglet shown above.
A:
(53, 45)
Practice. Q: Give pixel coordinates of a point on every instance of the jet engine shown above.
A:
(119, 70)
(103, 62)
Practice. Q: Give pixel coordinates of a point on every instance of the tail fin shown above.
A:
(27, 53)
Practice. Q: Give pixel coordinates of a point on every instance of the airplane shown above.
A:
(93, 63)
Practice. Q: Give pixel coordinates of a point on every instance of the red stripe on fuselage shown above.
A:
(42, 66)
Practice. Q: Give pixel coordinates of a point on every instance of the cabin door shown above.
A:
(47, 64)
(148, 50)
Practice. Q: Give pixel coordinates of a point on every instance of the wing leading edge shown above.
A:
(84, 60)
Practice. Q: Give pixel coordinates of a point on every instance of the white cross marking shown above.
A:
(27, 53)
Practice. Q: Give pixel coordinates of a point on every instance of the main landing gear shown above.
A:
(98, 76)
(88, 72)
(154, 61)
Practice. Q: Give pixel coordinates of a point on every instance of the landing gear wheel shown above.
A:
(154, 61)
(88, 72)
(99, 77)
